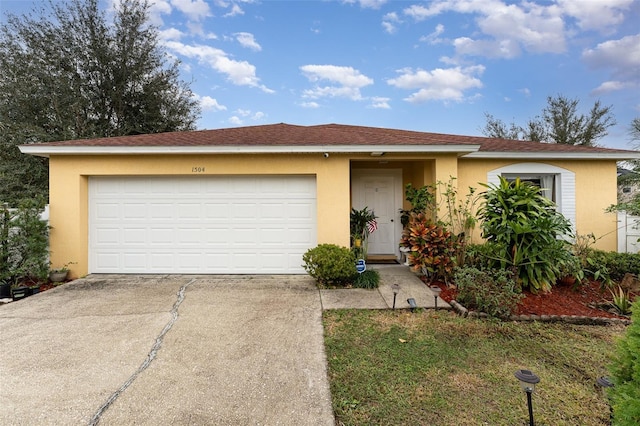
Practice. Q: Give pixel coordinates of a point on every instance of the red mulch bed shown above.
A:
(563, 300)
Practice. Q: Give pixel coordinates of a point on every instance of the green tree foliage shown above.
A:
(625, 370)
(24, 243)
(71, 71)
(560, 122)
(525, 228)
(330, 264)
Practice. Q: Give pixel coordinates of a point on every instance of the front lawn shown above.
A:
(434, 368)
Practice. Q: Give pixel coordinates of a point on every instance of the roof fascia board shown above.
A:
(45, 151)
(554, 155)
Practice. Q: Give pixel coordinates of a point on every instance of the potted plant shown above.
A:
(362, 224)
(58, 275)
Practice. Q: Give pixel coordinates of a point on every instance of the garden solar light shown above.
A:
(396, 290)
(528, 382)
(412, 304)
(436, 292)
(605, 383)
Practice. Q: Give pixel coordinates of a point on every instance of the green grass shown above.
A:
(427, 368)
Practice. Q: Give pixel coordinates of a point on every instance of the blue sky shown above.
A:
(434, 66)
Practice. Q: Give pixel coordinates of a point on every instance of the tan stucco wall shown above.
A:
(68, 196)
(595, 191)
(595, 188)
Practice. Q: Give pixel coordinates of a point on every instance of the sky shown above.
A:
(433, 66)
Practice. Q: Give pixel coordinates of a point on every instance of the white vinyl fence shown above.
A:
(628, 233)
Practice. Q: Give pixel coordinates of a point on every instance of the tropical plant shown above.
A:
(528, 231)
(621, 300)
(422, 200)
(625, 371)
(360, 224)
(432, 249)
(330, 264)
(458, 215)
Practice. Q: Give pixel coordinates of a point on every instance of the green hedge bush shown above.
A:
(492, 291)
(625, 370)
(330, 264)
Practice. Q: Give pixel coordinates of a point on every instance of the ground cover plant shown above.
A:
(434, 368)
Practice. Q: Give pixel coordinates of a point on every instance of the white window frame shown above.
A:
(565, 183)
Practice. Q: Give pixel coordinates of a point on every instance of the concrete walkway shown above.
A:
(148, 350)
(382, 298)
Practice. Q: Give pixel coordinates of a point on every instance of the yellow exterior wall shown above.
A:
(69, 183)
(69, 199)
(596, 186)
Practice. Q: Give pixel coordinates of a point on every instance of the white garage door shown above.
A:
(203, 224)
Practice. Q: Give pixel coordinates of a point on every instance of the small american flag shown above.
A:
(372, 225)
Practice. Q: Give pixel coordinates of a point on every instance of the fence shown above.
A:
(628, 233)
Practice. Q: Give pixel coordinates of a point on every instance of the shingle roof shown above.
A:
(328, 135)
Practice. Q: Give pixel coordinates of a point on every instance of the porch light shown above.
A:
(528, 382)
(436, 292)
(396, 289)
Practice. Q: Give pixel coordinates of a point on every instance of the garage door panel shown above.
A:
(205, 224)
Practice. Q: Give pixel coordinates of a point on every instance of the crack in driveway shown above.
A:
(150, 357)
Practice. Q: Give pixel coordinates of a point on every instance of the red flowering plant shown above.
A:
(432, 248)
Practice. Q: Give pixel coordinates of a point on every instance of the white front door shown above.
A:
(380, 191)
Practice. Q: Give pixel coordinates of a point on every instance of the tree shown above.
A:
(634, 129)
(560, 122)
(69, 71)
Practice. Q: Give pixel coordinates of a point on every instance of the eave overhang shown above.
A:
(46, 150)
(617, 156)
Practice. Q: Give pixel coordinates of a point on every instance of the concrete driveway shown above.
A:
(186, 349)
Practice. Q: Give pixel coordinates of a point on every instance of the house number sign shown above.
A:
(197, 169)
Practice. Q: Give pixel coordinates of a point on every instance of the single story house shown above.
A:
(254, 199)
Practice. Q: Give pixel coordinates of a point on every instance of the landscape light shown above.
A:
(436, 292)
(528, 381)
(396, 289)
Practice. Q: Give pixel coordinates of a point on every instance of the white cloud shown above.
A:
(378, 102)
(433, 38)
(347, 81)
(439, 84)
(194, 9)
(311, 105)
(508, 27)
(388, 22)
(611, 86)
(247, 40)
(170, 34)
(367, 4)
(240, 73)
(596, 15)
(235, 120)
(210, 104)
(621, 56)
(235, 11)
(525, 91)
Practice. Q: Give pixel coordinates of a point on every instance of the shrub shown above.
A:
(432, 248)
(368, 279)
(490, 291)
(625, 370)
(526, 227)
(23, 242)
(330, 264)
(615, 264)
